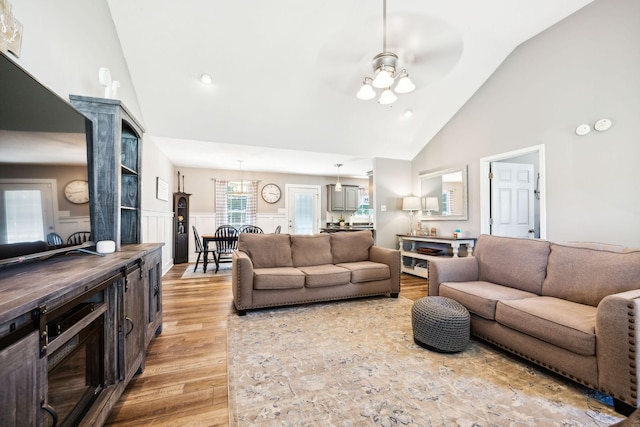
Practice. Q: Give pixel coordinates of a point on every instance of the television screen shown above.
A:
(43, 169)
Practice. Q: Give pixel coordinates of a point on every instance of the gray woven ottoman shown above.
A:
(440, 324)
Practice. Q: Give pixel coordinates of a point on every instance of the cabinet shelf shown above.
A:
(116, 145)
(411, 258)
(128, 171)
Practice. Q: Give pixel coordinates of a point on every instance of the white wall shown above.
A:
(578, 71)
(392, 182)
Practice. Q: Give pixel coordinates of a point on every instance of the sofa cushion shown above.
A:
(351, 246)
(480, 298)
(266, 250)
(311, 250)
(586, 275)
(559, 322)
(278, 278)
(318, 276)
(366, 271)
(515, 262)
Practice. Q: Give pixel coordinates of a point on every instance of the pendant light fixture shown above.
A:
(384, 66)
(236, 191)
(338, 186)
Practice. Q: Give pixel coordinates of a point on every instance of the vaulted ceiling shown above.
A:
(285, 74)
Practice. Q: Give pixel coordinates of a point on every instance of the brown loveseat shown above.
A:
(572, 308)
(280, 269)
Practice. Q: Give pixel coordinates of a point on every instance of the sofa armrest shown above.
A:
(242, 280)
(391, 257)
(617, 345)
(451, 270)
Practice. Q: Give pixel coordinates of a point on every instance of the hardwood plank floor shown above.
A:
(185, 377)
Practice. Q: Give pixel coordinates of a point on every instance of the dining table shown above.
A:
(206, 239)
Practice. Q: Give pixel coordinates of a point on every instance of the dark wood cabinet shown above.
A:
(132, 325)
(69, 349)
(115, 157)
(181, 228)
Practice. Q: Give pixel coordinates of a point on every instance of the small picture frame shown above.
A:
(162, 190)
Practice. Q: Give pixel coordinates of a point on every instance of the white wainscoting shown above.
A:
(157, 227)
(269, 222)
(67, 225)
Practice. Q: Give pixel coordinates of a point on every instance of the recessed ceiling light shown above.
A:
(206, 78)
(408, 112)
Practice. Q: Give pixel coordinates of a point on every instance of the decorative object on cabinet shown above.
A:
(162, 190)
(416, 251)
(411, 204)
(181, 228)
(449, 186)
(114, 169)
(271, 193)
(10, 31)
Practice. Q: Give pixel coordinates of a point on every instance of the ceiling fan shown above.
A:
(424, 45)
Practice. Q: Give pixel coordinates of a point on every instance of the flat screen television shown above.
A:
(43, 151)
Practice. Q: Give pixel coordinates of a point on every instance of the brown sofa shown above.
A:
(280, 269)
(571, 308)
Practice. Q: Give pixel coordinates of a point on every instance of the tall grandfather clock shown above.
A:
(181, 227)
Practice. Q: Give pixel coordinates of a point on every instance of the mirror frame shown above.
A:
(428, 175)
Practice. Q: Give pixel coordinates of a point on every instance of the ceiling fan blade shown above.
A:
(426, 46)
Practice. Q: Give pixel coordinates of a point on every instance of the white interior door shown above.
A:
(512, 205)
(303, 209)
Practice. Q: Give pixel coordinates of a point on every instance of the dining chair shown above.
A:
(79, 237)
(226, 245)
(200, 248)
(278, 228)
(54, 239)
(250, 229)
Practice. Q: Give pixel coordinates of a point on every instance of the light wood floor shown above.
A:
(185, 377)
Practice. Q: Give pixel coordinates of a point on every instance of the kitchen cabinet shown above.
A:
(345, 200)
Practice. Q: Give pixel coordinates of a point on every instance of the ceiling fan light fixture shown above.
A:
(405, 85)
(384, 66)
(366, 92)
(387, 97)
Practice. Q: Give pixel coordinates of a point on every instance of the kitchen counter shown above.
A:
(335, 229)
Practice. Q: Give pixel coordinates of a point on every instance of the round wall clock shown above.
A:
(77, 191)
(271, 193)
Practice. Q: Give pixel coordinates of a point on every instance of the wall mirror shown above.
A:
(444, 194)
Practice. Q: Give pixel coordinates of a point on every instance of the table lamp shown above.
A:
(411, 204)
(431, 204)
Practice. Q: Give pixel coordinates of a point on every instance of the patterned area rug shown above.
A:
(225, 269)
(354, 363)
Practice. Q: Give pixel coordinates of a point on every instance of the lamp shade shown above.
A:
(387, 97)
(366, 92)
(432, 204)
(411, 203)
